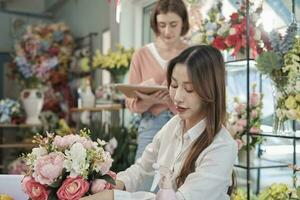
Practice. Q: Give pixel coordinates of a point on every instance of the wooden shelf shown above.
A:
(19, 125)
(99, 108)
(18, 145)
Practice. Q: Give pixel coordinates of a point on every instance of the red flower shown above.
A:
(234, 17)
(219, 43)
(73, 188)
(232, 40)
(33, 189)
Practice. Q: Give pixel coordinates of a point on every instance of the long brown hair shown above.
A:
(175, 6)
(206, 69)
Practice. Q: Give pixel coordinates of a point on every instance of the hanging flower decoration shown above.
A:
(233, 33)
(282, 66)
(238, 120)
(42, 49)
(205, 31)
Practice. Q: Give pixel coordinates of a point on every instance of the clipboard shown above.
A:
(129, 89)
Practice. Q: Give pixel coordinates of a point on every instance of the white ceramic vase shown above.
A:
(32, 100)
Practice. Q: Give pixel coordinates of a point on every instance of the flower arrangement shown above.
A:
(232, 34)
(282, 66)
(205, 31)
(116, 62)
(275, 192)
(238, 120)
(41, 49)
(17, 166)
(241, 194)
(67, 167)
(5, 197)
(10, 111)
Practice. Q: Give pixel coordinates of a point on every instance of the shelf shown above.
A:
(295, 135)
(262, 164)
(99, 108)
(17, 145)
(19, 125)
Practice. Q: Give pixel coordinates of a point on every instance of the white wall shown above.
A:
(86, 16)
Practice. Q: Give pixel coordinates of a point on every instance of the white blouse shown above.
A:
(170, 147)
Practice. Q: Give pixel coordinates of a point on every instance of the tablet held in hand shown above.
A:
(129, 89)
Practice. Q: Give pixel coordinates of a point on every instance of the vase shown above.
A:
(117, 78)
(32, 100)
(281, 124)
(88, 98)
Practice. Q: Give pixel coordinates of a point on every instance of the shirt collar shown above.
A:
(194, 132)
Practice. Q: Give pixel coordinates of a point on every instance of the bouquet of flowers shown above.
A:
(282, 66)
(10, 111)
(67, 167)
(41, 49)
(238, 120)
(233, 33)
(204, 32)
(116, 62)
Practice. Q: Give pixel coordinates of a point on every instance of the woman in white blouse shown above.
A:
(193, 154)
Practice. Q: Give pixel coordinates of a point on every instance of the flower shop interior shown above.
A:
(60, 61)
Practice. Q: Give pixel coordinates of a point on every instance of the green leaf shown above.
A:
(267, 62)
(109, 179)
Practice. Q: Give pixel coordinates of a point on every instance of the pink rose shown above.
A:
(254, 99)
(242, 122)
(48, 168)
(239, 107)
(73, 188)
(34, 190)
(254, 114)
(98, 185)
(255, 130)
(106, 165)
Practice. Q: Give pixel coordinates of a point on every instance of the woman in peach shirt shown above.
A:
(169, 21)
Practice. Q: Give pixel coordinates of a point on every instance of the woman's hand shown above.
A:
(159, 97)
(104, 195)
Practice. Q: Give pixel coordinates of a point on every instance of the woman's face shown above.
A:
(187, 101)
(169, 27)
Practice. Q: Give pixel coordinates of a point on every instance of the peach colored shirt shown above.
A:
(144, 66)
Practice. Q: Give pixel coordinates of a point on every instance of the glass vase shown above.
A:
(281, 124)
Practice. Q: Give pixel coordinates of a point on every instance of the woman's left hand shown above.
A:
(104, 195)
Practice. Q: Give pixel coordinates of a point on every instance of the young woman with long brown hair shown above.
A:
(193, 152)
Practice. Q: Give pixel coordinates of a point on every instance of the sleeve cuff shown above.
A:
(121, 195)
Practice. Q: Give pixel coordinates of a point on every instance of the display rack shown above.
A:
(260, 163)
(4, 146)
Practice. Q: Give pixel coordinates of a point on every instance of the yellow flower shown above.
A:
(5, 197)
(297, 97)
(298, 112)
(290, 102)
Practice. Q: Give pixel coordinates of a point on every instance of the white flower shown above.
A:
(232, 31)
(38, 152)
(257, 35)
(111, 145)
(76, 162)
(224, 28)
(101, 142)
